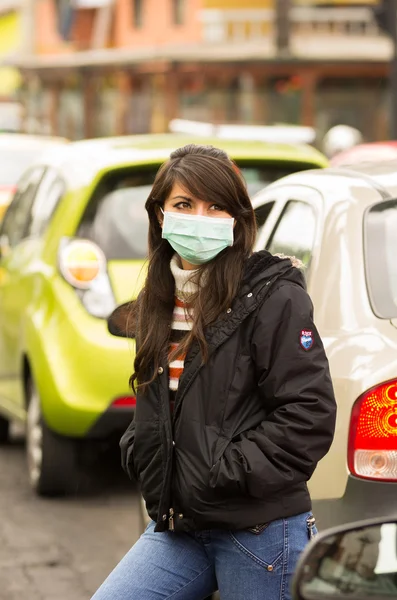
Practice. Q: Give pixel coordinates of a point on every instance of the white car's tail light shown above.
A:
(83, 264)
(372, 450)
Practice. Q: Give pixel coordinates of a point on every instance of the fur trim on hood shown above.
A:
(263, 265)
(296, 262)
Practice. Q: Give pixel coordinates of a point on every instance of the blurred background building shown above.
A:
(10, 79)
(87, 68)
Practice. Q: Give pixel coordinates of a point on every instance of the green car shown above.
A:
(73, 246)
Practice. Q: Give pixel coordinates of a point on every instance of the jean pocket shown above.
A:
(266, 548)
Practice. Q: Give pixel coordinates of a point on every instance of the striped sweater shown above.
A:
(182, 320)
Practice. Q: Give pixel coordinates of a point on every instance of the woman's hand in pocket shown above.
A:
(229, 471)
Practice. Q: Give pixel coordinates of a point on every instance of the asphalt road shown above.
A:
(61, 549)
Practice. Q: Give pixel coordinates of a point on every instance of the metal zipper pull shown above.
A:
(311, 522)
(171, 520)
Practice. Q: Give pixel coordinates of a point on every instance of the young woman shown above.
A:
(235, 404)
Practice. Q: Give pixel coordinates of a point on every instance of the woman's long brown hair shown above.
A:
(206, 173)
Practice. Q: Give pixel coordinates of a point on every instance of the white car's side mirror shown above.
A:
(357, 561)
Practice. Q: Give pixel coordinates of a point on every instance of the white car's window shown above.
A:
(262, 213)
(391, 250)
(294, 233)
(380, 227)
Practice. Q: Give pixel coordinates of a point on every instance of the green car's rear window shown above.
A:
(116, 218)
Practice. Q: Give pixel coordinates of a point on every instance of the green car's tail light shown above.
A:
(83, 265)
(124, 402)
(372, 450)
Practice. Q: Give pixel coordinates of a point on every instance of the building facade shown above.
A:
(105, 67)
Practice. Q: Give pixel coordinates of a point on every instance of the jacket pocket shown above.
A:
(127, 451)
(227, 473)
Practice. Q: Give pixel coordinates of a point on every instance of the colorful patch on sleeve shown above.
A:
(306, 339)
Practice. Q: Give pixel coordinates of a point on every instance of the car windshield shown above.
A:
(380, 228)
(116, 218)
(13, 163)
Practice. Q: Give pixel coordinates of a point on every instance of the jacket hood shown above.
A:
(263, 266)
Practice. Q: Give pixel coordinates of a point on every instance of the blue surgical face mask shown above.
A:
(195, 238)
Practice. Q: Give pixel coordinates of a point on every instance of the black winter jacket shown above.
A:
(250, 425)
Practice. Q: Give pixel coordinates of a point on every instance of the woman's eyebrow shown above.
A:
(183, 198)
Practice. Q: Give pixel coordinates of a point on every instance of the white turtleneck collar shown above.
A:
(185, 285)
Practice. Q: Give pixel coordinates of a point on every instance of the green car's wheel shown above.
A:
(4, 430)
(52, 459)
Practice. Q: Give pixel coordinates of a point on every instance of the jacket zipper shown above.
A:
(169, 434)
(171, 525)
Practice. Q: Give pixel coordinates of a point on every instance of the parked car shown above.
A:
(342, 224)
(73, 244)
(357, 561)
(17, 152)
(373, 152)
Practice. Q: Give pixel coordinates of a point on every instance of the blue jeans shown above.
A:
(191, 566)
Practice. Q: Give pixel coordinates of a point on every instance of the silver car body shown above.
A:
(361, 346)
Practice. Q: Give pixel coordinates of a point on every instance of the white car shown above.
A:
(342, 223)
(17, 152)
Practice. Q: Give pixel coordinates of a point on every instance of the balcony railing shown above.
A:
(240, 24)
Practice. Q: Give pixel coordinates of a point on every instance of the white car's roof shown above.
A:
(344, 184)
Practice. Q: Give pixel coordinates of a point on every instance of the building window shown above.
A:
(178, 10)
(138, 13)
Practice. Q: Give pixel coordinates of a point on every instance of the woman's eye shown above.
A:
(182, 205)
(216, 207)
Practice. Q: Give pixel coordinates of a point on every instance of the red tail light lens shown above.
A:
(124, 402)
(372, 451)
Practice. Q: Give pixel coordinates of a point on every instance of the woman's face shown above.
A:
(181, 201)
